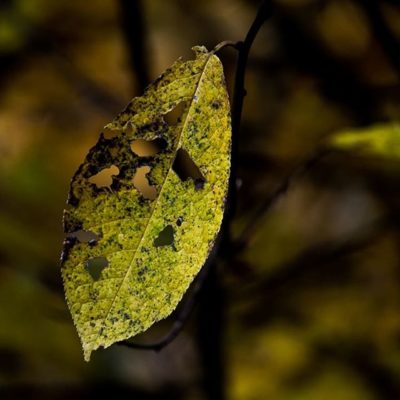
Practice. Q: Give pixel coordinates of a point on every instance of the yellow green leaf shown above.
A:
(379, 140)
(147, 203)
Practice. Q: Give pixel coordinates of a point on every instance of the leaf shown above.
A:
(380, 140)
(141, 221)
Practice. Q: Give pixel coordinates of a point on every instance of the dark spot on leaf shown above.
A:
(165, 237)
(84, 236)
(192, 127)
(185, 168)
(67, 246)
(179, 221)
(104, 178)
(95, 266)
(157, 127)
(71, 222)
(72, 200)
(215, 105)
(199, 184)
(142, 274)
(148, 148)
(110, 133)
(141, 183)
(174, 116)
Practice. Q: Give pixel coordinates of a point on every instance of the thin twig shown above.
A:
(318, 256)
(226, 43)
(298, 172)
(263, 13)
(239, 93)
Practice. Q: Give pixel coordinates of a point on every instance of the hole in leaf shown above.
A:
(148, 148)
(141, 183)
(95, 266)
(185, 168)
(104, 177)
(165, 237)
(187, 54)
(110, 133)
(175, 115)
(84, 236)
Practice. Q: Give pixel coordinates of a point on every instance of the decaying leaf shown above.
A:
(379, 140)
(149, 238)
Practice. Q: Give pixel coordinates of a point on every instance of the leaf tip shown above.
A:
(86, 353)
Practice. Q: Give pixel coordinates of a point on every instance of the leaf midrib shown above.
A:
(179, 143)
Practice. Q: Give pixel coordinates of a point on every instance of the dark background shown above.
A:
(308, 306)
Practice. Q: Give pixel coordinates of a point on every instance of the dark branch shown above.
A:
(244, 49)
(210, 336)
(132, 19)
(239, 92)
(387, 40)
(303, 52)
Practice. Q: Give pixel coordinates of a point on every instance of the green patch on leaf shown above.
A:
(153, 223)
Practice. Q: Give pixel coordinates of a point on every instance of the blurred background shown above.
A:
(305, 304)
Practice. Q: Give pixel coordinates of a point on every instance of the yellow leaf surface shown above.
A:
(146, 205)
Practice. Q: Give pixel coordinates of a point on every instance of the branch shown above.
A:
(382, 380)
(135, 35)
(298, 172)
(226, 43)
(244, 49)
(303, 52)
(387, 40)
(320, 258)
(239, 93)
